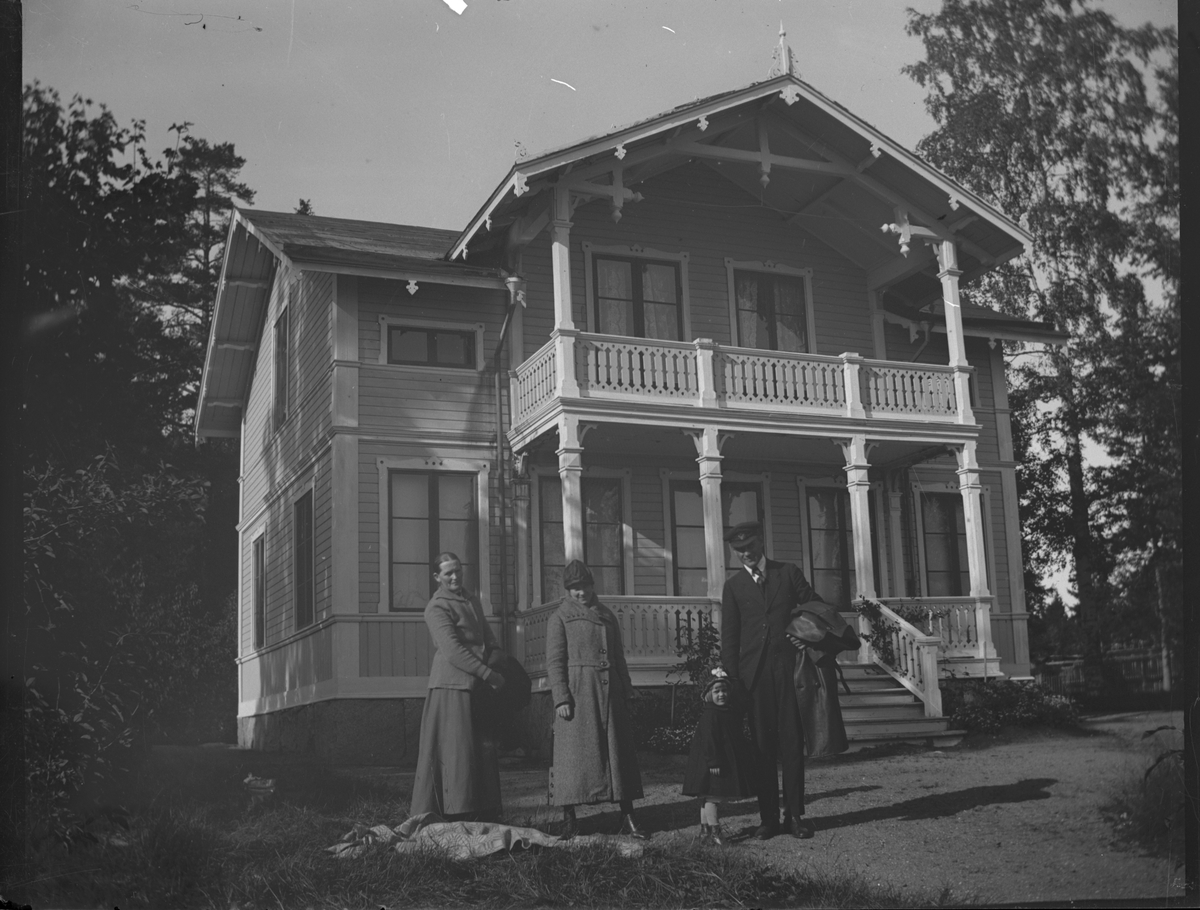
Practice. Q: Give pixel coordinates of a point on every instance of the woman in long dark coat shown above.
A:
(458, 772)
(595, 759)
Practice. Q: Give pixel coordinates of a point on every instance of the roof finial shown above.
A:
(783, 62)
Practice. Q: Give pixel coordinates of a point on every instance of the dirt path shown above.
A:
(1014, 818)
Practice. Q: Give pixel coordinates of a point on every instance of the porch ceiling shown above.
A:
(669, 447)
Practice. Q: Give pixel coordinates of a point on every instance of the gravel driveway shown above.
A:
(1014, 817)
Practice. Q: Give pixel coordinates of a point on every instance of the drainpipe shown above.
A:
(515, 295)
(925, 329)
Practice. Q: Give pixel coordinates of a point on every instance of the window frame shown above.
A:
(482, 470)
(282, 346)
(625, 475)
(389, 322)
(636, 252)
(771, 268)
(919, 489)
(258, 590)
(879, 554)
(668, 477)
(310, 580)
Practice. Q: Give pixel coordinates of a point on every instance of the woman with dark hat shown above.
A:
(594, 754)
(458, 772)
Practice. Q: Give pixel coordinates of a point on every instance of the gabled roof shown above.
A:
(258, 243)
(800, 153)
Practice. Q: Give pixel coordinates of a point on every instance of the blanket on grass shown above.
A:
(464, 840)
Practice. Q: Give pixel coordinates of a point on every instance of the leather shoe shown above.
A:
(801, 828)
(766, 831)
(630, 828)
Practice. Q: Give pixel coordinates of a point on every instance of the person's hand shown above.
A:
(715, 772)
(566, 712)
(496, 680)
(634, 693)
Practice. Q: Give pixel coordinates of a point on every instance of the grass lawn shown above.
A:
(194, 838)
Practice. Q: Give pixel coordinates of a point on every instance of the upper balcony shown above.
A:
(703, 382)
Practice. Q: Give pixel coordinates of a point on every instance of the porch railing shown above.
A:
(707, 375)
(961, 624)
(653, 629)
(918, 389)
(915, 654)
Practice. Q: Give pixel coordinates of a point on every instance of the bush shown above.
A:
(1147, 806)
(984, 706)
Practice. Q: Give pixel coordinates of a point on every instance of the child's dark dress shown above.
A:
(720, 743)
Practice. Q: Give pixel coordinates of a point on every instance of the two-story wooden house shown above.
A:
(746, 307)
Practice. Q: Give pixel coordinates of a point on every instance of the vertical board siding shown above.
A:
(368, 525)
(396, 646)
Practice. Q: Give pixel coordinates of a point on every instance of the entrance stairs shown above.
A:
(879, 710)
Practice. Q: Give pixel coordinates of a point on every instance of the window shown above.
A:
(944, 533)
(772, 312)
(637, 297)
(603, 533)
(303, 567)
(739, 502)
(831, 543)
(260, 591)
(435, 347)
(430, 512)
(282, 368)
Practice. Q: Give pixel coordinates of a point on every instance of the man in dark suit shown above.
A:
(756, 606)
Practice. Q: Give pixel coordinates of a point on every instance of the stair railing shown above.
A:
(902, 651)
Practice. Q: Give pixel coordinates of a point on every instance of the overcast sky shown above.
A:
(403, 111)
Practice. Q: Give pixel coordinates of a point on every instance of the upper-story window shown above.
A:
(282, 367)
(771, 307)
(430, 347)
(428, 343)
(638, 298)
(636, 292)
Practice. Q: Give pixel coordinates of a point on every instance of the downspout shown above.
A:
(515, 295)
(925, 329)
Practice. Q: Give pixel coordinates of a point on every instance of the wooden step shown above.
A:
(882, 698)
(891, 712)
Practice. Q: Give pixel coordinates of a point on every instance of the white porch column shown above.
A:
(560, 258)
(972, 495)
(948, 272)
(855, 450)
(521, 529)
(708, 456)
(570, 471)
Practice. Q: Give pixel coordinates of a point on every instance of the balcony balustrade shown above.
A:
(703, 374)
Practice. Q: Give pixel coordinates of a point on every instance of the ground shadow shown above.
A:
(841, 791)
(943, 805)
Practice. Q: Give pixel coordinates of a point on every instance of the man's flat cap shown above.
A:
(740, 535)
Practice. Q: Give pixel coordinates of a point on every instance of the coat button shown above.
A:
(604, 663)
(604, 682)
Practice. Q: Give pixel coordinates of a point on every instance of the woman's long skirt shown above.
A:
(458, 772)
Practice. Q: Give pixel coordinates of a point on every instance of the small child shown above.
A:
(721, 762)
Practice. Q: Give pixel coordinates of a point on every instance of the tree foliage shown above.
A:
(1068, 122)
(128, 529)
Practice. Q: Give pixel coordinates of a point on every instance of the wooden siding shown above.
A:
(694, 210)
(299, 663)
(279, 462)
(368, 525)
(426, 400)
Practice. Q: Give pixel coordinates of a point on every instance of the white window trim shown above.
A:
(249, 535)
(763, 479)
(920, 487)
(536, 473)
(876, 493)
(430, 464)
(308, 485)
(387, 321)
(769, 267)
(636, 251)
